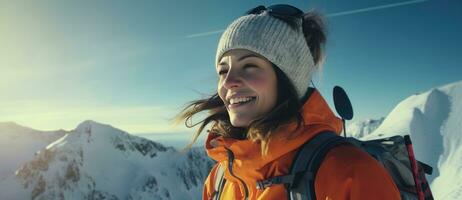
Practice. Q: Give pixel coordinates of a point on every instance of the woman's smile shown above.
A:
(236, 103)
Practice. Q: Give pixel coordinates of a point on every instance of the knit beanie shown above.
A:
(275, 40)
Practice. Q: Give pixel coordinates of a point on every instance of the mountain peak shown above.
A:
(93, 134)
(87, 124)
(80, 164)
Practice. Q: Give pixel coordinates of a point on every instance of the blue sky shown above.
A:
(132, 64)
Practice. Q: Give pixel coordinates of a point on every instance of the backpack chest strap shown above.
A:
(307, 160)
(284, 179)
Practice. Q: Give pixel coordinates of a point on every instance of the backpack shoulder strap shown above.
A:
(219, 182)
(306, 163)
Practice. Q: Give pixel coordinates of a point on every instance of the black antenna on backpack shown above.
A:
(342, 105)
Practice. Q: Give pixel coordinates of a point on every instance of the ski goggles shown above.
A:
(279, 10)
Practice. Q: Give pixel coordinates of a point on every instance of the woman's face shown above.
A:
(247, 85)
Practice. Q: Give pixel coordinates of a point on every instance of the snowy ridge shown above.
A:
(97, 161)
(360, 129)
(433, 119)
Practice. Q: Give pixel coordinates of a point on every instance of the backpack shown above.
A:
(394, 154)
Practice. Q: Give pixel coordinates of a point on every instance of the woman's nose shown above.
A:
(232, 80)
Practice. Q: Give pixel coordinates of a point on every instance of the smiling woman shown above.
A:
(253, 98)
(265, 110)
(247, 86)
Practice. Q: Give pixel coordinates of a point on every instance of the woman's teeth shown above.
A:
(240, 100)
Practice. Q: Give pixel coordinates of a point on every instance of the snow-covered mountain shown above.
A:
(18, 145)
(433, 119)
(360, 129)
(97, 161)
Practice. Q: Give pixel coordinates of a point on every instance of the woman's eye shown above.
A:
(250, 66)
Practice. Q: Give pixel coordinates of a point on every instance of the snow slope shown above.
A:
(360, 129)
(18, 145)
(433, 119)
(97, 161)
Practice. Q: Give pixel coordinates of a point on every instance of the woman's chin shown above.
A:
(239, 122)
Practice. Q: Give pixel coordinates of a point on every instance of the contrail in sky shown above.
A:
(205, 33)
(374, 8)
(330, 15)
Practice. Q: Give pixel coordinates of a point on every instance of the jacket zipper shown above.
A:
(230, 168)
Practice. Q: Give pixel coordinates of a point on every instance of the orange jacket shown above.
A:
(346, 173)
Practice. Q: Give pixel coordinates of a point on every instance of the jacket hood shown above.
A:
(317, 117)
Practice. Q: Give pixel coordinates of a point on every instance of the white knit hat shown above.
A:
(275, 40)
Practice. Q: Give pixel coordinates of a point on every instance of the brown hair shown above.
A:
(287, 106)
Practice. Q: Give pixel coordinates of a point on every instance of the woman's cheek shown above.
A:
(260, 83)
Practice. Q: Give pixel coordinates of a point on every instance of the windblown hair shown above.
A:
(286, 110)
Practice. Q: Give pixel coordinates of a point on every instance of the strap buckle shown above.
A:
(261, 185)
(285, 179)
